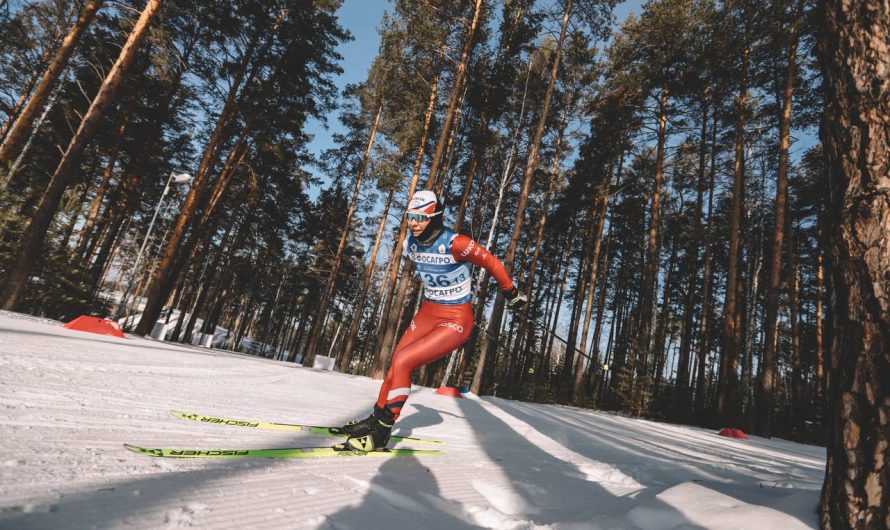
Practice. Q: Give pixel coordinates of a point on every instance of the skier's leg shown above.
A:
(422, 324)
(451, 328)
(447, 327)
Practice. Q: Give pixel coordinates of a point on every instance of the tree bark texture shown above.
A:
(855, 58)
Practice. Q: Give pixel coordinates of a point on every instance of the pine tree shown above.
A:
(856, 491)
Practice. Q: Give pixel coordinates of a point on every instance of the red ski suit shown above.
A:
(437, 328)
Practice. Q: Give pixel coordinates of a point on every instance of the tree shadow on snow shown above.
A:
(403, 493)
(397, 493)
(538, 486)
(528, 486)
(659, 460)
(423, 417)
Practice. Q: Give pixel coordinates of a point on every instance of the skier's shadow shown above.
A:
(403, 493)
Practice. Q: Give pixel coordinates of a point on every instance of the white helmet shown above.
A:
(423, 201)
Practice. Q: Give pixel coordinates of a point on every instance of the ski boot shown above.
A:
(355, 428)
(377, 435)
(358, 427)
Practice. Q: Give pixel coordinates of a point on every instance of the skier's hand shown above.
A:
(515, 299)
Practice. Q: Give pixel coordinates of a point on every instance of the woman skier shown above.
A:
(442, 259)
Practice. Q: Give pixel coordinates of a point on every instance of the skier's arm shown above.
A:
(464, 249)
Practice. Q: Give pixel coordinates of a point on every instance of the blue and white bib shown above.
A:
(445, 280)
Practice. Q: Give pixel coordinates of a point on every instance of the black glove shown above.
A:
(515, 299)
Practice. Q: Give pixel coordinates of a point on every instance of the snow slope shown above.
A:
(70, 399)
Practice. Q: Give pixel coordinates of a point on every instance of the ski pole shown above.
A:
(552, 333)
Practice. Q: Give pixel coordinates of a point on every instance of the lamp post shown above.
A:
(178, 178)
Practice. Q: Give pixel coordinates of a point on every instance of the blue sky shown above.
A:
(361, 18)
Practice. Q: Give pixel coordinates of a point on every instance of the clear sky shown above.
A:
(361, 18)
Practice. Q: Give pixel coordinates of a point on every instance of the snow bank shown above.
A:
(691, 505)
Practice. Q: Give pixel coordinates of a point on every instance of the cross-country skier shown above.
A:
(443, 260)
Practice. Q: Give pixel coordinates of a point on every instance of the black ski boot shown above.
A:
(355, 428)
(378, 432)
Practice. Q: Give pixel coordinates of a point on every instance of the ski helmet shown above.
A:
(423, 201)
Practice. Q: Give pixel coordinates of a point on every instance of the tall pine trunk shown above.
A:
(682, 394)
(642, 344)
(603, 208)
(18, 133)
(767, 388)
(395, 298)
(703, 346)
(197, 193)
(349, 344)
(542, 223)
(457, 90)
(794, 316)
(727, 405)
(315, 332)
(488, 346)
(856, 135)
(33, 239)
(86, 231)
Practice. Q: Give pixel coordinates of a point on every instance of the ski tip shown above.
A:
(136, 449)
(182, 415)
(145, 451)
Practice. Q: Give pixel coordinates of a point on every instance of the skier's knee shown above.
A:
(401, 365)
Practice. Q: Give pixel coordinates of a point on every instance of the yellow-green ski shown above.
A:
(339, 450)
(290, 427)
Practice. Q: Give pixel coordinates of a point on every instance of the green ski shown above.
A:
(291, 427)
(339, 450)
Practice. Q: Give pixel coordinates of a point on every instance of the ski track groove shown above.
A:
(70, 400)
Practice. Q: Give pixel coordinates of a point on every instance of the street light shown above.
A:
(178, 178)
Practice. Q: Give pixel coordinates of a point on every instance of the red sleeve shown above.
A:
(464, 249)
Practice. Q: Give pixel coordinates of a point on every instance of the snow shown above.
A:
(69, 401)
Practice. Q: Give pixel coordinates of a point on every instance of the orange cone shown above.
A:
(98, 325)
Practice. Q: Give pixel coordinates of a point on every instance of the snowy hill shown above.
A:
(71, 399)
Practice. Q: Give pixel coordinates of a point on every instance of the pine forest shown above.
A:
(694, 199)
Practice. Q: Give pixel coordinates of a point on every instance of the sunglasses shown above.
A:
(420, 217)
